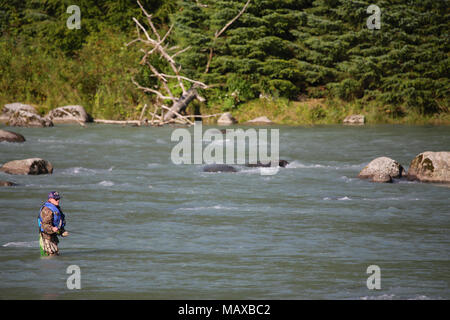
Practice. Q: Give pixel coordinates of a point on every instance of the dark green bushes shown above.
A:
(283, 48)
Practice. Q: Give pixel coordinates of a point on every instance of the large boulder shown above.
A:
(430, 167)
(354, 119)
(382, 169)
(27, 166)
(69, 114)
(9, 136)
(9, 109)
(260, 120)
(226, 119)
(22, 118)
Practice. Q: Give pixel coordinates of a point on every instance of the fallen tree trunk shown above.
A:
(181, 104)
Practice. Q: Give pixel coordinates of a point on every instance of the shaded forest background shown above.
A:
(296, 61)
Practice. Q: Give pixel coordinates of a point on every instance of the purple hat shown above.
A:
(54, 195)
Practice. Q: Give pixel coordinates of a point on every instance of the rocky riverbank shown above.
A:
(22, 115)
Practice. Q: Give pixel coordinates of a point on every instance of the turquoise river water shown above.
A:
(145, 228)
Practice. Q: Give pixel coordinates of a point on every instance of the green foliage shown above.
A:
(283, 48)
(258, 48)
(44, 63)
(99, 78)
(348, 89)
(405, 63)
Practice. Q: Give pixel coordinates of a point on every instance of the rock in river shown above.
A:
(430, 166)
(281, 163)
(22, 118)
(9, 109)
(27, 166)
(9, 136)
(382, 169)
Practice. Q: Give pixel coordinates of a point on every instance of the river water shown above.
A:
(145, 228)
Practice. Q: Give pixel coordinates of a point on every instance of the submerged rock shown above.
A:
(281, 163)
(226, 119)
(382, 169)
(430, 166)
(27, 166)
(69, 114)
(9, 136)
(219, 168)
(22, 118)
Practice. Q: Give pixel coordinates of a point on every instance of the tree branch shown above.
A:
(177, 114)
(156, 45)
(159, 94)
(232, 20)
(199, 83)
(218, 33)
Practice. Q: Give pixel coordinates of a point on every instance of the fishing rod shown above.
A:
(84, 234)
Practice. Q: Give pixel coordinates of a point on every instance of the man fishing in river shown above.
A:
(51, 222)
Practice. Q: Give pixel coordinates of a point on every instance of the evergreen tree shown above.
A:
(256, 53)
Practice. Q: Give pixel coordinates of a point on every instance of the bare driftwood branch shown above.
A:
(181, 51)
(153, 115)
(137, 122)
(154, 43)
(232, 20)
(177, 114)
(145, 89)
(198, 83)
(143, 111)
(163, 81)
(157, 45)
